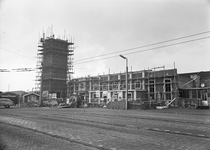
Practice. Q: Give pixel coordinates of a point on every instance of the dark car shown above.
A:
(6, 102)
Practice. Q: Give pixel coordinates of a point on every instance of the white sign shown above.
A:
(45, 94)
(54, 95)
(97, 93)
(105, 93)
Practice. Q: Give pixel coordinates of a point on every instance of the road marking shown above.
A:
(156, 129)
(129, 125)
(201, 135)
(188, 133)
(166, 130)
(177, 132)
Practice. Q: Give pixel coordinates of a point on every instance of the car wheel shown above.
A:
(7, 106)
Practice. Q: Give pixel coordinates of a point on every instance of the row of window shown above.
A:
(160, 96)
(113, 86)
(167, 86)
(136, 85)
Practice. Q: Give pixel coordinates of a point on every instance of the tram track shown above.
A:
(104, 129)
(58, 137)
(83, 114)
(146, 118)
(111, 126)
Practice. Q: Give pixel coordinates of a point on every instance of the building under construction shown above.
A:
(152, 88)
(155, 85)
(54, 66)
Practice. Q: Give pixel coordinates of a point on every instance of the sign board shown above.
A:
(45, 94)
(97, 93)
(115, 95)
(105, 93)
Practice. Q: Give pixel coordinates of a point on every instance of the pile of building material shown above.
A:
(116, 105)
(167, 104)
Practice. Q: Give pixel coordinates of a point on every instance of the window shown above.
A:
(115, 86)
(95, 86)
(151, 82)
(123, 85)
(104, 86)
(152, 86)
(167, 85)
(152, 96)
(138, 84)
(168, 96)
(81, 85)
(168, 89)
(93, 95)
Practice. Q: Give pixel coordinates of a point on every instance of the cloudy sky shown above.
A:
(101, 27)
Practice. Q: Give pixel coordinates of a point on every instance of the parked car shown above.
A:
(6, 102)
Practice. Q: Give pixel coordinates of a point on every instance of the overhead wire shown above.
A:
(175, 39)
(20, 50)
(18, 53)
(139, 47)
(146, 49)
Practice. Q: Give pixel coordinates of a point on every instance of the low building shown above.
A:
(194, 88)
(31, 96)
(15, 96)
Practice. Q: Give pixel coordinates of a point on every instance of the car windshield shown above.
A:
(5, 100)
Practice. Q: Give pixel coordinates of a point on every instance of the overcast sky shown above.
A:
(104, 26)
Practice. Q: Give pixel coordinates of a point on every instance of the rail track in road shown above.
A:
(124, 117)
(76, 119)
(144, 118)
(8, 145)
(122, 131)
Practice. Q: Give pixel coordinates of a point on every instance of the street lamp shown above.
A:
(126, 79)
(41, 88)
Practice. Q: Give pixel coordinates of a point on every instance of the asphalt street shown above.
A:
(97, 128)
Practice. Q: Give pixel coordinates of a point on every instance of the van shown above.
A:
(6, 102)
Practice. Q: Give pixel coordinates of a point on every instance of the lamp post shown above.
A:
(126, 79)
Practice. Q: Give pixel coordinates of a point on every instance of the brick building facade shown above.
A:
(143, 86)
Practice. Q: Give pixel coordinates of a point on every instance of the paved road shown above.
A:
(17, 138)
(185, 129)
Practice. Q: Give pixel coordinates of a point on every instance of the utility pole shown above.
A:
(126, 94)
(40, 97)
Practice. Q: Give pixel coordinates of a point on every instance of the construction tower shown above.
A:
(54, 66)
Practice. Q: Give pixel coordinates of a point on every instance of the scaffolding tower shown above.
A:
(54, 66)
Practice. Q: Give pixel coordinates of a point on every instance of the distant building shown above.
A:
(31, 96)
(193, 88)
(15, 96)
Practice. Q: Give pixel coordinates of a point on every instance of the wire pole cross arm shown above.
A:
(4, 70)
(123, 57)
